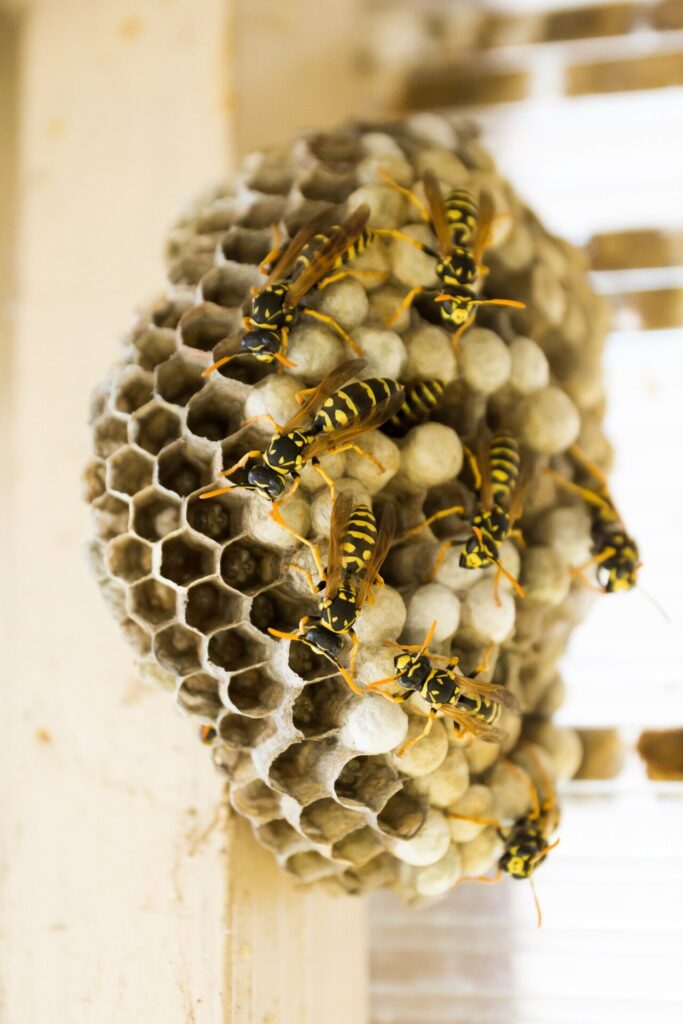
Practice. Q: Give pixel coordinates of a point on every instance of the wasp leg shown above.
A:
(584, 492)
(589, 465)
(481, 879)
(405, 303)
(431, 718)
(474, 467)
(380, 682)
(276, 516)
(484, 663)
(406, 193)
(354, 652)
(275, 251)
(352, 446)
(452, 510)
(341, 274)
(328, 480)
(227, 472)
(331, 322)
(438, 561)
(535, 811)
(277, 427)
(309, 577)
(457, 335)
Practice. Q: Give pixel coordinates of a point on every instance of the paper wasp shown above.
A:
(462, 230)
(615, 553)
(472, 706)
(357, 549)
(421, 397)
(500, 489)
(339, 414)
(527, 840)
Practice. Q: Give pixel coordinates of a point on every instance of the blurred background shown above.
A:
(112, 115)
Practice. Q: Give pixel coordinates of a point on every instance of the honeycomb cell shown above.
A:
(224, 286)
(366, 781)
(326, 821)
(359, 847)
(179, 378)
(336, 147)
(273, 179)
(307, 664)
(211, 606)
(279, 836)
(190, 268)
(185, 559)
(240, 246)
(152, 602)
(248, 566)
(167, 311)
(214, 413)
(129, 558)
(154, 514)
(296, 771)
(129, 471)
(133, 388)
(376, 874)
(263, 212)
(257, 801)
(198, 695)
(278, 607)
(244, 369)
(183, 468)
(402, 816)
(155, 345)
(111, 516)
(177, 649)
(140, 641)
(236, 648)
(320, 707)
(94, 480)
(110, 433)
(254, 692)
(323, 184)
(244, 733)
(205, 325)
(217, 519)
(155, 426)
(308, 866)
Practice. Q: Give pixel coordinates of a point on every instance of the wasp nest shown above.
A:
(196, 584)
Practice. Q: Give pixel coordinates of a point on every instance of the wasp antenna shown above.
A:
(217, 365)
(655, 602)
(539, 914)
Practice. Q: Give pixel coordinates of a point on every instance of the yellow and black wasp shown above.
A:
(615, 552)
(339, 415)
(207, 734)
(462, 228)
(473, 706)
(500, 488)
(357, 549)
(421, 397)
(527, 841)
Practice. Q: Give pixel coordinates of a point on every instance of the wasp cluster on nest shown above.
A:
(329, 778)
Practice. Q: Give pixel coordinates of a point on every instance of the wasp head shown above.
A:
(262, 478)
(261, 344)
(322, 640)
(459, 306)
(412, 669)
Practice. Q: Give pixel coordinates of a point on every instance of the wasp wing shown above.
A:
(339, 240)
(437, 210)
(287, 256)
(383, 542)
(482, 730)
(482, 459)
(524, 482)
(486, 213)
(339, 521)
(374, 417)
(328, 385)
(491, 691)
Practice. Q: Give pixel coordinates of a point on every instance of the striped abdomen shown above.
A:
(504, 467)
(461, 211)
(442, 688)
(421, 397)
(353, 402)
(352, 251)
(359, 542)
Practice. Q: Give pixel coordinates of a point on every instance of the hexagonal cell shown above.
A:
(366, 781)
(227, 286)
(254, 692)
(257, 801)
(129, 558)
(359, 847)
(168, 311)
(155, 426)
(153, 602)
(179, 378)
(273, 179)
(244, 733)
(185, 559)
(319, 708)
(378, 873)
(215, 413)
(263, 212)
(189, 268)
(321, 183)
(154, 514)
(297, 770)
(308, 865)
(140, 641)
(154, 346)
(217, 519)
(307, 664)
(132, 388)
(241, 246)
(236, 648)
(184, 468)
(245, 368)
(210, 606)
(335, 147)
(326, 821)
(279, 607)
(279, 836)
(111, 516)
(402, 816)
(177, 649)
(129, 471)
(109, 434)
(206, 324)
(93, 480)
(198, 695)
(248, 566)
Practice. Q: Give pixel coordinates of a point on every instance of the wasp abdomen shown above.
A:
(353, 401)
(504, 462)
(421, 397)
(359, 541)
